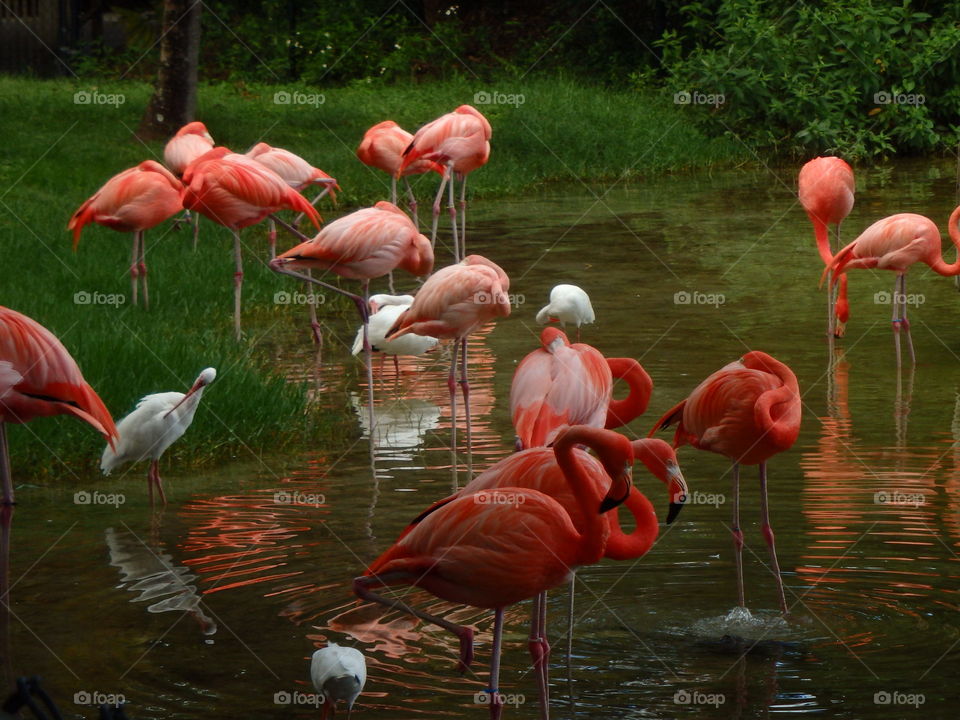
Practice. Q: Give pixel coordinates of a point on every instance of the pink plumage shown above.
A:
(190, 142)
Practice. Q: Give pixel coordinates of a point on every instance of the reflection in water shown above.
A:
(150, 571)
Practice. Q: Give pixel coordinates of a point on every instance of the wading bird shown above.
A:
(459, 141)
(747, 411)
(158, 421)
(537, 469)
(235, 191)
(495, 548)
(826, 188)
(38, 378)
(339, 674)
(190, 142)
(562, 384)
(382, 148)
(134, 201)
(297, 173)
(384, 311)
(895, 243)
(452, 303)
(363, 245)
(568, 304)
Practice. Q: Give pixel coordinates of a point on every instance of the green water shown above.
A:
(213, 606)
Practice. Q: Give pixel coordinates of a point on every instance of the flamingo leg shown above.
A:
(496, 699)
(328, 184)
(196, 229)
(436, 210)
(142, 267)
(465, 389)
(453, 217)
(463, 216)
(737, 535)
(412, 204)
(134, 267)
(289, 228)
(452, 386)
(390, 283)
(904, 321)
(393, 189)
(769, 537)
(272, 237)
(540, 650)
(831, 306)
(368, 354)
(5, 476)
(573, 582)
(361, 588)
(237, 282)
(314, 323)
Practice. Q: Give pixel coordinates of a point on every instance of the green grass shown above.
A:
(59, 152)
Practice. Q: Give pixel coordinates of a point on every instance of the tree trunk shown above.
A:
(174, 100)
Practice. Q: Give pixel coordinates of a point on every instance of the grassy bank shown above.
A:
(60, 151)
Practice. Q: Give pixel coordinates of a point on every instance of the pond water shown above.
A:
(212, 607)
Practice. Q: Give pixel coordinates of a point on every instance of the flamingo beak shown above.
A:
(619, 489)
(679, 493)
(196, 386)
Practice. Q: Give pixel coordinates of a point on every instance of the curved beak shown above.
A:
(196, 386)
(619, 489)
(677, 487)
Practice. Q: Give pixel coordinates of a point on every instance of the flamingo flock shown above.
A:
(523, 526)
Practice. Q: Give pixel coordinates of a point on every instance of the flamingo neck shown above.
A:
(592, 538)
(777, 411)
(621, 546)
(822, 234)
(621, 412)
(938, 265)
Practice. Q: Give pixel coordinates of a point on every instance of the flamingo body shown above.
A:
(460, 139)
(365, 244)
(191, 142)
(295, 171)
(134, 200)
(562, 384)
(382, 148)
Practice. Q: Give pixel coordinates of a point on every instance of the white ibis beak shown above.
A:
(196, 386)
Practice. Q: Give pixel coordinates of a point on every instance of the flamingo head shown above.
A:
(661, 461)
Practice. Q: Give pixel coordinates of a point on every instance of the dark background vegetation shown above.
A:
(798, 78)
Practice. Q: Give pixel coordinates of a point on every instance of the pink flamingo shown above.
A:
(297, 173)
(132, 201)
(747, 411)
(826, 188)
(452, 303)
(363, 245)
(460, 141)
(449, 549)
(235, 191)
(190, 142)
(537, 469)
(895, 243)
(39, 378)
(382, 148)
(562, 384)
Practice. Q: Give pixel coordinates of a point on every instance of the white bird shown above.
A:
(568, 304)
(158, 421)
(385, 310)
(340, 674)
